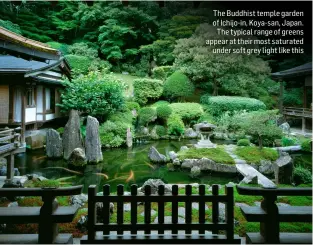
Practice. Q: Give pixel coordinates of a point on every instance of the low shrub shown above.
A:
(43, 183)
(306, 145)
(178, 86)
(62, 47)
(218, 154)
(79, 64)
(163, 111)
(131, 105)
(161, 72)
(175, 125)
(187, 111)
(254, 154)
(302, 175)
(147, 115)
(243, 142)
(287, 141)
(218, 105)
(160, 130)
(147, 89)
(160, 102)
(60, 130)
(206, 116)
(83, 49)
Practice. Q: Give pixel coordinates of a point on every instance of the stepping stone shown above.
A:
(240, 161)
(257, 204)
(153, 212)
(195, 205)
(281, 204)
(241, 204)
(168, 220)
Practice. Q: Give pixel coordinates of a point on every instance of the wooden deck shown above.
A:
(297, 112)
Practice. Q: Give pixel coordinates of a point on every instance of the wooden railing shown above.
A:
(149, 229)
(9, 140)
(297, 112)
(46, 216)
(270, 215)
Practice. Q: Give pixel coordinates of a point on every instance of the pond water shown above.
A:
(120, 166)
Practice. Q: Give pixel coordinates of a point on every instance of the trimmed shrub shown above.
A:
(178, 85)
(146, 115)
(306, 145)
(131, 105)
(206, 116)
(161, 72)
(187, 111)
(62, 47)
(287, 141)
(83, 49)
(79, 64)
(217, 105)
(147, 89)
(175, 125)
(163, 111)
(160, 102)
(302, 175)
(243, 142)
(160, 130)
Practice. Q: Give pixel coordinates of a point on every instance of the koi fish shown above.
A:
(101, 174)
(131, 176)
(67, 170)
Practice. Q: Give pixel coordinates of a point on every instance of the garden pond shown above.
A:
(126, 166)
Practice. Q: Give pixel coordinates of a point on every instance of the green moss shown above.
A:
(216, 154)
(253, 154)
(46, 183)
(30, 202)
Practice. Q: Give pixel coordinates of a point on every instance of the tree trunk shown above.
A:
(260, 142)
(215, 87)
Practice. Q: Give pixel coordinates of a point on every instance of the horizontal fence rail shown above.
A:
(161, 199)
(301, 112)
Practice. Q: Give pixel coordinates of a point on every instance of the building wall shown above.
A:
(308, 81)
(4, 103)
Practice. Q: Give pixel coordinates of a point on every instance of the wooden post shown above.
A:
(269, 229)
(92, 211)
(305, 101)
(10, 169)
(281, 96)
(303, 125)
(23, 112)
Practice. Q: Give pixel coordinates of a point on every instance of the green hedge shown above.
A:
(147, 89)
(187, 111)
(175, 125)
(217, 105)
(178, 85)
(161, 72)
(243, 142)
(80, 64)
(131, 105)
(146, 115)
(164, 111)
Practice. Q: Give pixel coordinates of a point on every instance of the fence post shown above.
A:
(215, 207)
(106, 208)
(229, 191)
(91, 212)
(269, 229)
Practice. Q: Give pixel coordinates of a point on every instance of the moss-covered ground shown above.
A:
(253, 154)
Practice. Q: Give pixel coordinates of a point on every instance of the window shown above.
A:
(30, 98)
(50, 99)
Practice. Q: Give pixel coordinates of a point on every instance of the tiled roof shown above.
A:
(305, 69)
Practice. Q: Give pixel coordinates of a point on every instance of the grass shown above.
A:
(253, 154)
(216, 154)
(128, 79)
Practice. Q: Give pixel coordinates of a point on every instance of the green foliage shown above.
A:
(187, 111)
(79, 64)
(147, 89)
(178, 86)
(253, 154)
(95, 94)
(83, 49)
(140, 69)
(287, 141)
(163, 111)
(10, 26)
(175, 125)
(293, 97)
(218, 155)
(160, 130)
(43, 183)
(243, 142)
(131, 105)
(161, 72)
(30, 202)
(217, 105)
(206, 116)
(60, 130)
(147, 115)
(302, 175)
(62, 47)
(160, 102)
(306, 145)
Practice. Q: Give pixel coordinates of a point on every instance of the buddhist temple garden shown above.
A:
(123, 93)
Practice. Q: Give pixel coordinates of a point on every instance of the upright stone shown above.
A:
(93, 143)
(72, 136)
(129, 138)
(54, 144)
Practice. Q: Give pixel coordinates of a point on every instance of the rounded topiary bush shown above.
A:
(163, 111)
(131, 105)
(306, 145)
(161, 72)
(160, 130)
(175, 125)
(146, 89)
(178, 85)
(146, 115)
(187, 111)
(243, 142)
(302, 175)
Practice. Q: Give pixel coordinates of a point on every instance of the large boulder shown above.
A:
(195, 172)
(266, 167)
(155, 156)
(155, 183)
(54, 144)
(92, 142)
(190, 133)
(285, 128)
(35, 139)
(78, 157)
(72, 136)
(208, 164)
(129, 138)
(173, 155)
(283, 169)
